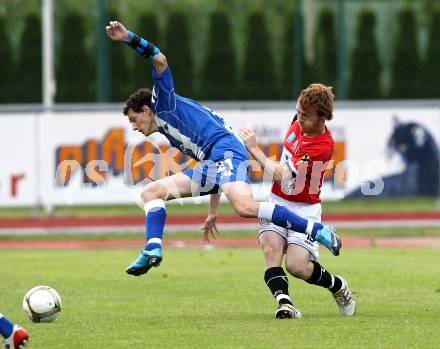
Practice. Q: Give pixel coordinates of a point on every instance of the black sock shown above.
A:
(323, 278)
(276, 280)
(337, 285)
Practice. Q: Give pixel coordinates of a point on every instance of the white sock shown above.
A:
(282, 296)
(265, 210)
(158, 203)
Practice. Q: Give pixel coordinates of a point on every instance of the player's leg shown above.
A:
(154, 197)
(14, 336)
(239, 195)
(301, 263)
(232, 162)
(273, 244)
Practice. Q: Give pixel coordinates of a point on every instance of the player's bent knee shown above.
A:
(272, 253)
(244, 210)
(153, 191)
(297, 270)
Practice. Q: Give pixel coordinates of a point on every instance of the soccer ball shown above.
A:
(42, 304)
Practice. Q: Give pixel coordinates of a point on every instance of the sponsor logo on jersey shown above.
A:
(305, 158)
(291, 137)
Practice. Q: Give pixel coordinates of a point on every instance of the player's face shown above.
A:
(309, 120)
(143, 121)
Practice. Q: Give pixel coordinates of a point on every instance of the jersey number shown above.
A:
(225, 167)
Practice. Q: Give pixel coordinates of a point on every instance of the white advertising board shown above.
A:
(379, 148)
(18, 160)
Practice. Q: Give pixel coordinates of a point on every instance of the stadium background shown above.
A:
(366, 49)
(248, 60)
(379, 56)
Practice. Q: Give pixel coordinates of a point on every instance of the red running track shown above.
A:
(352, 220)
(22, 226)
(348, 242)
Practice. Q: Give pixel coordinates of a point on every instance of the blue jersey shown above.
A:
(188, 125)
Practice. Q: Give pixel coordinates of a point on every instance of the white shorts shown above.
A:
(305, 210)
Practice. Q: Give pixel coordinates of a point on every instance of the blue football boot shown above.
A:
(327, 236)
(145, 261)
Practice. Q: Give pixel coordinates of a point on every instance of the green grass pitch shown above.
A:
(217, 299)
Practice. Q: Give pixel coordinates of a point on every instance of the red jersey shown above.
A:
(307, 158)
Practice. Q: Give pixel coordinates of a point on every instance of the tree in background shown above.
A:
(365, 65)
(28, 72)
(6, 66)
(75, 70)
(431, 71)
(405, 71)
(178, 53)
(119, 69)
(325, 62)
(289, 55)
(219, 75)
(148, 29)
(258, 71)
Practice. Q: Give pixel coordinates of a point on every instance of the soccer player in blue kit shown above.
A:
(200, 133)
(14, 335)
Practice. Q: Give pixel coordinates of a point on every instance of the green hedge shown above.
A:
(178, 52)
(120, 74)
(250, 56)
(431, 70)
(148, 28)
(7, 80)
(219, 74)
(365, 65)
(75, 67)
(290, 78)
(258, 82)
(325, 48)
(28, 72)
(406, 67)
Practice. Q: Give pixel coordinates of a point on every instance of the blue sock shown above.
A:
(156, 215)
(6, 327)
(282, 217)
(316, 227)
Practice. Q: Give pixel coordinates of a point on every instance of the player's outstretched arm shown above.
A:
(117, 32)
(209, 227)
(279, 172)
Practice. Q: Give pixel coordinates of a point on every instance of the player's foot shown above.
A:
(287, 311)
(145, 261)
(329, 239)
(17, 339)
(344, 299)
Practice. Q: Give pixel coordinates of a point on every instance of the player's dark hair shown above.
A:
(137, 101)
(320, 97)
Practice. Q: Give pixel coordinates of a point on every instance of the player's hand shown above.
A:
(248, 137)
(116, 31)
(209, 228)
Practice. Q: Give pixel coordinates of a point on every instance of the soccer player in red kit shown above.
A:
(308, 147)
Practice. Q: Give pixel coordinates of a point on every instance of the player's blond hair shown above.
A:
(319, 97)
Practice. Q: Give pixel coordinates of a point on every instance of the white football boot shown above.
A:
(287, 311)
(344, 299)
